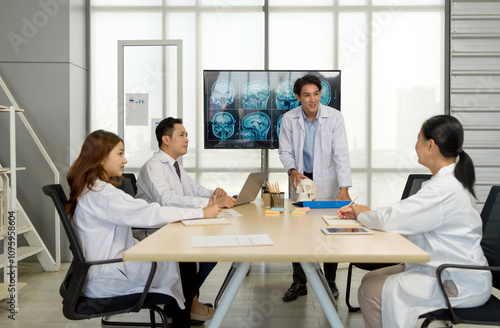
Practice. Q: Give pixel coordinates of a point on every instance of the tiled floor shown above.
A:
(257, 304)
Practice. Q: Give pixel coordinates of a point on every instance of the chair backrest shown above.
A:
(76, 306)
(414, 183)
(131, 183)
(491, 231)
(56, 193)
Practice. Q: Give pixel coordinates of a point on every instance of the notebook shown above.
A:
(251, 187)
(336, 221)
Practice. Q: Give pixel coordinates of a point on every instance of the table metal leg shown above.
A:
(321, 292)
(228, 297)
(222, 289)
(322, 277)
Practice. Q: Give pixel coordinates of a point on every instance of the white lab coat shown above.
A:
(442, 220)
(332, 168)
(103, 219)
(158, 182)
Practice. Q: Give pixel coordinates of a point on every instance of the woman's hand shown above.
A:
(352, 211)
(211, 211)
(347, 212)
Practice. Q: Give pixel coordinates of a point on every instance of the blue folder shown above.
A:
(323, 203)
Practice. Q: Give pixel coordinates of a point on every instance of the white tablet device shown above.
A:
(347, 231)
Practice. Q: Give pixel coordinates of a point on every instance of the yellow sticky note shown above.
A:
(272, 212)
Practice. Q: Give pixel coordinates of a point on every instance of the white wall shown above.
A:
(475, 86)
(43, 63)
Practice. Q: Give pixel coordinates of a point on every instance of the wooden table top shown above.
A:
(296, 237)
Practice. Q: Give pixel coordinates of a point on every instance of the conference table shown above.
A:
(295, 237)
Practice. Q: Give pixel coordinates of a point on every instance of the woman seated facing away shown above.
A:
(442, 220)
(103, 217)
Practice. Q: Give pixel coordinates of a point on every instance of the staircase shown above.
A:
(15, 226)
(25, 229)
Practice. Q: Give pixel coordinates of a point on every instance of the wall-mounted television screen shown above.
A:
(243, 109)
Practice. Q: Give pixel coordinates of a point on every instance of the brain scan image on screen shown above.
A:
(285, 98)
(223, 125)
(255, 126)
(326, 93)
(222, 94)
(255, 95)
(278, 125)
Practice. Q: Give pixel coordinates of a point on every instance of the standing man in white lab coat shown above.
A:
(163, 180)
(313, 145)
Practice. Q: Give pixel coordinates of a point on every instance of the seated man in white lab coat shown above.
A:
(163, 180)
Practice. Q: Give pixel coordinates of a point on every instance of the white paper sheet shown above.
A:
(136, 109)
(236, 240)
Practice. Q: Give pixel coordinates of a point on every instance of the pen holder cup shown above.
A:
(277, 199)
(266, 197)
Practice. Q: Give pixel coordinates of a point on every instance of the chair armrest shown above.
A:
(100, 262)
(152, 272)
(79, 276)
(445, 266)
(83, 268)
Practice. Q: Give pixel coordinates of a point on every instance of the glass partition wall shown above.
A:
(390, 53)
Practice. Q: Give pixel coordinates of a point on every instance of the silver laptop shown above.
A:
(251, 187)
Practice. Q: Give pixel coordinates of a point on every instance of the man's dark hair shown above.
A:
(166, 128)
(306, 79)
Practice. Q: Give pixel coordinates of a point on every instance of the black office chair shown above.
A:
(413, 184)
(128, 184)
(133, 183)
(489, 313)
(76, 306)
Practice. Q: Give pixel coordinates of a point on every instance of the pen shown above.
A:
(214, 199)
(352, 202)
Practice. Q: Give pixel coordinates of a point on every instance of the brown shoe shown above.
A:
(209, 313)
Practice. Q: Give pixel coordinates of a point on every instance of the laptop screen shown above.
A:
(251, 188)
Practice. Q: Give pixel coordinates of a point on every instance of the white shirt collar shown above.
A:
(164, 157)
(318, 114)
(450, 169)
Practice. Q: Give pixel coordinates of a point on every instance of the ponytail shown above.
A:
(464, 172)
(448, 134)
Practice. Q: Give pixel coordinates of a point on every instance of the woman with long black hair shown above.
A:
(442, 220)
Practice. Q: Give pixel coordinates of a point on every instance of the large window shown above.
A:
(391, 54)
